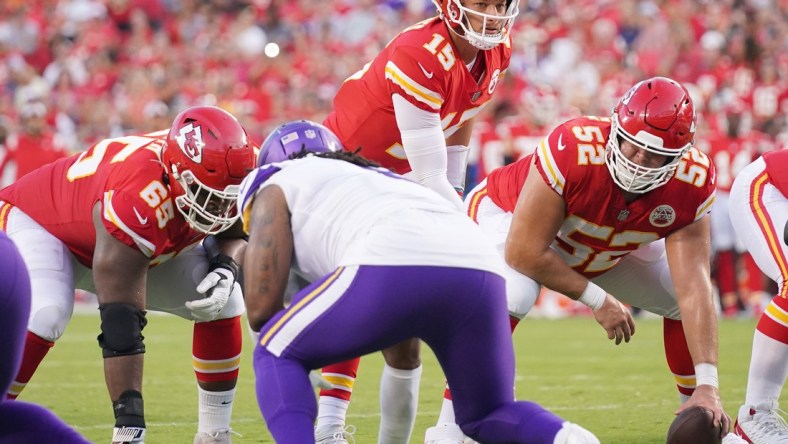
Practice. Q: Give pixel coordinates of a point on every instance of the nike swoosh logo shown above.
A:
(143, 220)
(561, 144)
(427, 74)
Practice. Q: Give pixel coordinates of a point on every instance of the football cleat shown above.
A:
(572, 433)
(128, 435)
(762, 424)
(222, 437)
(335, 434)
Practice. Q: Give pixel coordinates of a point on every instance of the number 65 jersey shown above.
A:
(600, 226)
(126, 176)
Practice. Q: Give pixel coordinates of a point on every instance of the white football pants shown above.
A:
(55, 274)
(641, 278)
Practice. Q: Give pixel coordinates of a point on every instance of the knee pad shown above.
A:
(121, 330)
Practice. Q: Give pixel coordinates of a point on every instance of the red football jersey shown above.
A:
(30, 152)
(730, 155)
(422, 65)
(600, 226)
(777, 169)
(126, 176)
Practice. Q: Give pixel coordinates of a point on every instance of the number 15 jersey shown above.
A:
(422, 65)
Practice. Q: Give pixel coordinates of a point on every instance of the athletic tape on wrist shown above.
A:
(706, 374)
(593, 296)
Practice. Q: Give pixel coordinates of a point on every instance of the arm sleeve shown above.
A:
(425, 147)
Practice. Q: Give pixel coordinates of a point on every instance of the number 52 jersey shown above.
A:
(600, 226)
(125, 175)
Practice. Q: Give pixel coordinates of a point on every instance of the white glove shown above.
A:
(216, 286)
(318, 381)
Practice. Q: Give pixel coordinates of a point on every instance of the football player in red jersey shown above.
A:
(126, 219)
(411, 109)
(759, 210)
(609, 210)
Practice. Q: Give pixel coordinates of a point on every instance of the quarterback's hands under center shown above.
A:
(616, 319)
(216, 286)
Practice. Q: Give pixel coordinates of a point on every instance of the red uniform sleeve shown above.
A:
(559, 156)
(129, 219)
(417, 75)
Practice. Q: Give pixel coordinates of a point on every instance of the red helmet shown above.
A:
(207, 156)
(656, 115)
(458, 16)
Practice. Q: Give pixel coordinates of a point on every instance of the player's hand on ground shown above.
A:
(616, 319)
(708, 397)
(216, 286)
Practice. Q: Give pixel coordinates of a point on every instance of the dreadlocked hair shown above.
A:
(348, 156)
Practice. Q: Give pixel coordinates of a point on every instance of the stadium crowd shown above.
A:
(75, 71)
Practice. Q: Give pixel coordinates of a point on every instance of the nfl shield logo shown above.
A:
(476, 96)
(623, 214)
(310, 134)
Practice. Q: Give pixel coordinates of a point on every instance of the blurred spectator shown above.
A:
(6, 177)
(97, 64)
(105, 66)
(34, 145)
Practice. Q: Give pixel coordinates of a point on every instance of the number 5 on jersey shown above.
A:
(155, 194)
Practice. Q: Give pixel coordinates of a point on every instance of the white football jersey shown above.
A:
(343, 214)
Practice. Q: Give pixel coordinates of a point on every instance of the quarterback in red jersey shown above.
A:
(610, 209)
(759, 210)
(125, 219)
(412, 110)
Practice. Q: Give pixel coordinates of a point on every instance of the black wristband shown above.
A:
(226, 262)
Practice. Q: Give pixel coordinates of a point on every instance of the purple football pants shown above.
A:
(14, 311)
(21, 422)
(460, 313)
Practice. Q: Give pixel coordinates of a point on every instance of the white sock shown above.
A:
(768, 369)
(399, 400)
(254, 335)
(683, 398)
(447, 412)
(331, 411)
(215, 409)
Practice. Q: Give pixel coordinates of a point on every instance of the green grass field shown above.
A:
(624, 393)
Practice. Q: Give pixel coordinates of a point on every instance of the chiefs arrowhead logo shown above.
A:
(190, 141)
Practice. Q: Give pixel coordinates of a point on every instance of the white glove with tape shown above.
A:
(217, 286)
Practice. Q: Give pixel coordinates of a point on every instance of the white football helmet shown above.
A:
(495, 29)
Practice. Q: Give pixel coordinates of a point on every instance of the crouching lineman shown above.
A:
(388, 260)
(759, 210)
(123, 219)
(608, 210)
